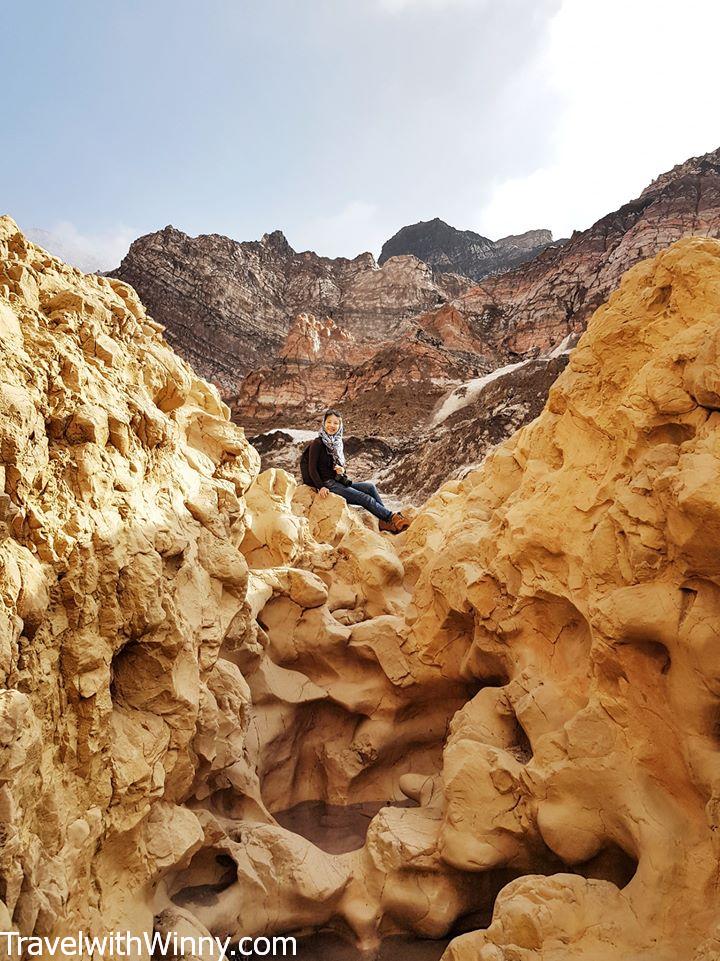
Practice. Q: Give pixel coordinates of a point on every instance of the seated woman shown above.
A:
(325, 470)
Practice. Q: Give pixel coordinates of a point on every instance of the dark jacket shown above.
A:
(320, 463)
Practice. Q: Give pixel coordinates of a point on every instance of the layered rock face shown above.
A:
(392, 391)
(229, 307)
(190, 648)
(468, 423)
(463, 251)
(224, 302)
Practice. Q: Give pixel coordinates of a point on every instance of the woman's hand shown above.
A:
(323, 492)
(339, 470)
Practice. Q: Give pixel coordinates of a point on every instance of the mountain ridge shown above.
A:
(285, 335)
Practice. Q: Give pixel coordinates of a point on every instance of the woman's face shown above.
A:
(332, 424)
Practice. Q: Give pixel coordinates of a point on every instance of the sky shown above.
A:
(340, 121)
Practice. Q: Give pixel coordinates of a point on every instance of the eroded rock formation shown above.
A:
(580, 556)
(191, 647)
(122, 515)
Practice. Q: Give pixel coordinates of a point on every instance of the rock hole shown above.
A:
(715, 726)
(654, 651)
(522, 748)
(172, 564)
(670, 434)
(209, 872)
(487, 885)
(494, 680)
(688, 595)
(120, 658)
(612, 864)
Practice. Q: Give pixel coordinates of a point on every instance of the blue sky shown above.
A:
(339, 121)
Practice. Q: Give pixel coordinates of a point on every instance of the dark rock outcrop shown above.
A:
(463, 251)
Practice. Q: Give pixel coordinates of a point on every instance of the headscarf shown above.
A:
(334, 442)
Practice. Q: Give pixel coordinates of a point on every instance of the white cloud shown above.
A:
(637, 81)
(356, 227)
(89, 252)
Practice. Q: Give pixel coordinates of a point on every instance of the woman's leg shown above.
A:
(368, 488)
(362, 499)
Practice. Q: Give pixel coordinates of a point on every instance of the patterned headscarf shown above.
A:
(333, 442)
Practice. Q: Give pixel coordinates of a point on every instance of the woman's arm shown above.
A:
(313, 466)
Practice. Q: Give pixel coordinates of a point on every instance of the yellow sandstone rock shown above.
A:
(583, 558)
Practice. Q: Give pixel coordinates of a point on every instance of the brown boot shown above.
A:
(396, 524)
(401, 522)
(388, 525)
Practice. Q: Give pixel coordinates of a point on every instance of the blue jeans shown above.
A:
(362, 493)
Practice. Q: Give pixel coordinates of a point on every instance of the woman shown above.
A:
(326, 471)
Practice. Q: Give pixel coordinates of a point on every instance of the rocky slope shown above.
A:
(539, 304)
(462, 251)
(190, 648)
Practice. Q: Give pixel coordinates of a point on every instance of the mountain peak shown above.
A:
(447, 249)
(277, 241)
